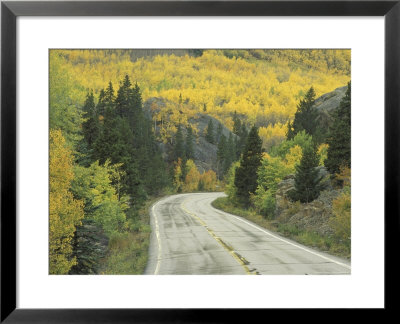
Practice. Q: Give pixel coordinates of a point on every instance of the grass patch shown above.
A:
(128, 252)
(308, 238)
(224, 204)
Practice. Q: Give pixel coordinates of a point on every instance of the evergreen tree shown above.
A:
(109, 96)
(237, 127)
(117, 141)
(179, 146)
(219, 132)
(157, 175)
(126, 137)
(136, 116)
(242, 138)
(88, 248)
(246, 173)
(226, 154)
(307, 178)
(230, 153)
(189, 150)
(210, 132)
(90, 132)
(290, 133)
(100, 105)
(90, 126)
(237, 148)
(231, 147)
(306, 114)
(339, 141)
(123, 97)
(221, 155)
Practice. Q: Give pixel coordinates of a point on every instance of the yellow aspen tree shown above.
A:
(323, 153)
(65, 212)
(209, 179)
(293, 158)
(178, 175)
(192, 177)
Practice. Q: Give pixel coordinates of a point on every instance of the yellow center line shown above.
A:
(228, 248)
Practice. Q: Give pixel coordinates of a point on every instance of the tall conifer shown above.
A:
(236, 124)
(89, 126)
(307, 178)
(246, 173)
(179, 147)
(306, 114)
(339, 141)
(210, 132)
(221, 155)
(189, 150)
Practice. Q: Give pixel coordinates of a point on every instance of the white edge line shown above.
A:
(158, 238)
(283, 240)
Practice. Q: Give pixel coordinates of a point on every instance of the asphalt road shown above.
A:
(189, 236)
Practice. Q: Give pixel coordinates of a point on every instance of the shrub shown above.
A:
(341, 221)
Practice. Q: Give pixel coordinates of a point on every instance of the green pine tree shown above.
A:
(179, 145)
(236, 124)
(246, 173)
(242, 139)
(100, 108)
(221, 155)
(307, 178)
(237, 148)
(306, 114)
(230, 154)
(290, 133)
(210, 132)
(219, 132)
(339, 150)
(122, 101)
(126, 137)
(189, 149)
(109, 96)
(90, 131)
(90, 126)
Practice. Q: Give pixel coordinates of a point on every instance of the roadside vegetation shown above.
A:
(128, 252)
(254, 184)
(330, 245)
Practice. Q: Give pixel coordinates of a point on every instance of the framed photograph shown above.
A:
(163, 159)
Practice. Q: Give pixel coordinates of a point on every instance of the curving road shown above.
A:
(189, 236)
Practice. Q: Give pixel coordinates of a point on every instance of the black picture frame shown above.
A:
(10, 10)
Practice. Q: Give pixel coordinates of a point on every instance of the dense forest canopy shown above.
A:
(262, 86)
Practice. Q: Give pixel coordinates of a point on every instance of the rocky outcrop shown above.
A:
(205, 153)
(313, 216)
(331, 100)
(326, 105)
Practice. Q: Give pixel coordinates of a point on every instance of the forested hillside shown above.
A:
(262, 86)
(128, 126)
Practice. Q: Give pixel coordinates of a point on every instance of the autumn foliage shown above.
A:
(263, 86)
(187, 178)
(65, 211)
